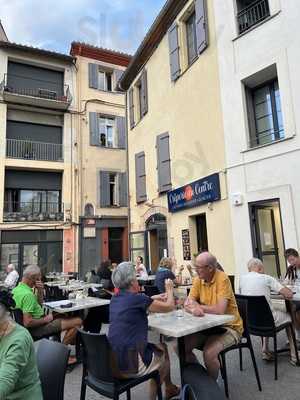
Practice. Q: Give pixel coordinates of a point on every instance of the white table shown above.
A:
(149, 278)
(178, 327)
(79, 286)
(77, 304)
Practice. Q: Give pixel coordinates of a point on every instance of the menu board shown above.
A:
(186, 244)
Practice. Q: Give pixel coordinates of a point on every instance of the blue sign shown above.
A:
(194, 194)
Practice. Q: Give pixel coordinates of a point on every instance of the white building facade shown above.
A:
(259, 57)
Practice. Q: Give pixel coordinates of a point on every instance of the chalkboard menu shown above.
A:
(186, 244)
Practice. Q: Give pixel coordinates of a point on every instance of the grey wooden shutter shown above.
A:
(104, 189)
(123, 191)
(174, 51)
(201, 25)
(93, 76)
(144, 93)
(140, 177)
(117, 76)
(121, 132)
(94, 129)
(163, 163)
(131, 108)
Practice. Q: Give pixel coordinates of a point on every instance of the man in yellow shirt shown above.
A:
(212, 294)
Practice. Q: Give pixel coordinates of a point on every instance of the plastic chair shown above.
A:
(97, 371)
(187, 393)
(17, 315)
(52, 362)
(245, 343)
(151, 290)
(261, 323)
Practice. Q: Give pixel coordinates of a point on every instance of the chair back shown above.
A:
(231, 278)
(17, 315)
(187, 393)
(52, 362)
(242, 304)
(96, 356)
(259, 316)
(151, 290)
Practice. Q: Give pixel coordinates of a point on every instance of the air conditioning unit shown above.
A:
(47, 94)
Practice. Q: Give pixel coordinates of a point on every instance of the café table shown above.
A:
(76, 304)
(79, 286)
(149, 278)
(173, 325)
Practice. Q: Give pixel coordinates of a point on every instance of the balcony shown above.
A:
(252, 15)
(30, 150)
(35, 92)
(32, 212)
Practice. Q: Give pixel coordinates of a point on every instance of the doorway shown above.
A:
(115, 245)
(201, 228)
(157, 236)
(267, 236)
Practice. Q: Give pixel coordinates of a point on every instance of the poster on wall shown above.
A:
(186, 245)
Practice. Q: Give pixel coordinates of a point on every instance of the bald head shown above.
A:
(207, 258)
(10, 268)
(206, 265)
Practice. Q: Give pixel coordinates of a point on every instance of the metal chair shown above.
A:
(245, 343)
(97, 371)
(52, 362)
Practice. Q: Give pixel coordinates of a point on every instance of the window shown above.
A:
(140, 97)
(137, 245)
(107, 132)
(32, 201)
(105, 80)
(191, 38)
(267, 113)
(250, 13)
(113, 192)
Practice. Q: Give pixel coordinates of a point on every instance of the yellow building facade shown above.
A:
(175, 140)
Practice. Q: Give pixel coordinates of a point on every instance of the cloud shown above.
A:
(54, 24)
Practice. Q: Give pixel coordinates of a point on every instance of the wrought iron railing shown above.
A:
(33, 211)
(265, 138)
(33, 87)
(253, 14)
(30, 150)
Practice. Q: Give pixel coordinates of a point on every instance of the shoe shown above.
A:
(267, 356)
(171, 391)
(294, 362)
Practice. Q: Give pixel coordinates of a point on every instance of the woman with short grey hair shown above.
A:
(128, 330)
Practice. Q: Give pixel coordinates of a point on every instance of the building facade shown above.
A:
(101, 147)
(261, 123)
(37, 182)
(177, 178)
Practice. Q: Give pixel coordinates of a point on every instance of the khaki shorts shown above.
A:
(228, 338)
(52, 328)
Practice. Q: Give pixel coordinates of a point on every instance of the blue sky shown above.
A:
(54, 24)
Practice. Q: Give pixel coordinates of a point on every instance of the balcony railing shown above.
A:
(29, 150)
(33, 211)
(253, 14)
(37, 88)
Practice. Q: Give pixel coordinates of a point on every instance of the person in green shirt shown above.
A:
(19, 378)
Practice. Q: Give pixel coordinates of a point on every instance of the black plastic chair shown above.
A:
(245, 343)
(17, 315)
(52, 362)
(151, 290)
(97, 371)
(187, 393)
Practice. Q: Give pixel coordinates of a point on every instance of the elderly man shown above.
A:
(212, 294)
(12, 276)
(257, 283)
(28, 296)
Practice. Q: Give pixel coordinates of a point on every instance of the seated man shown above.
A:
(212, 294)
(30, 303)
(256, 283)
(12, 277)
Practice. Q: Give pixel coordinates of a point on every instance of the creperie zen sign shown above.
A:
(202, 191)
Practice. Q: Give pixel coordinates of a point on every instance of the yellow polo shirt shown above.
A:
(210, 293)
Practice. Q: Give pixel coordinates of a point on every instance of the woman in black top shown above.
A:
(104, 274)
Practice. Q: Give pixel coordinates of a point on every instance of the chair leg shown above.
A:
(241, 358)
(224, 374)
(128, 394)
(294, 342)
(83, 390)
(255, 366)
(158, 386)
(275, 357)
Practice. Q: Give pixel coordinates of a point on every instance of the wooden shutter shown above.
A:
(104, 189)
(94, 129)
(93, 75)
(144, 93)
(123, 191)
(117, 76)
(131, 108)
(201, 25)
(121, 132)
(140, 177)
(163, 163)
(174, 51)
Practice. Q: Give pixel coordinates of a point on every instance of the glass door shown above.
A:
(30, 254)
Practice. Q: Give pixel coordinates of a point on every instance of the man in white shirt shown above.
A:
(12, 276)
(257, 283)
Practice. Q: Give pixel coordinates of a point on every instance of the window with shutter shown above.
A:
(93, 76)
(117, 76)
(163, 163)
(121, 131)
(144, 93)
(94, 129)
(174, 51)
(123, 191)
(105, 189)
(201, 25)
(131, 108)
(140, 177)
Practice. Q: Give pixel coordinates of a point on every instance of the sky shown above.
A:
(54, 24)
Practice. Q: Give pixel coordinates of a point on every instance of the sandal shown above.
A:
(267, 356)
(171, 391)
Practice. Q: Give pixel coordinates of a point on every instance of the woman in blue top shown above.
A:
(128, 330)
(164, 272)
